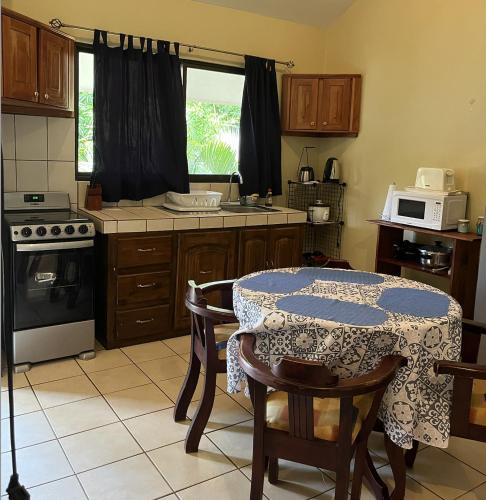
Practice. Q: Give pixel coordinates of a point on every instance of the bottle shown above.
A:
(269, 199)
(479, 226)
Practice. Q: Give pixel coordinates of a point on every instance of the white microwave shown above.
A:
(438, 210)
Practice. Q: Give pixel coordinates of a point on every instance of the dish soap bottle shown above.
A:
(269, 199)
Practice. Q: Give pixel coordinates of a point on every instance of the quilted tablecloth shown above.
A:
(350, 320)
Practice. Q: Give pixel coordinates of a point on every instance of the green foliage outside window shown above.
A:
(85, 131)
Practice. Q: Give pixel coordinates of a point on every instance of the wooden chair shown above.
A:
(337, 264)
(313, 417)
(468, 416)
(211, 326)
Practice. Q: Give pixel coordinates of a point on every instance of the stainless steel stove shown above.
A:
(51, 282)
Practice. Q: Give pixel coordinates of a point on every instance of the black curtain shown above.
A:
(260, 148)
(139, 120)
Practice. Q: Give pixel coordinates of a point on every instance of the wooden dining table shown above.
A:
(350, 320)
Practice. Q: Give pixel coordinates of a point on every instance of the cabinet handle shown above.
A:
(46, 96)
(146, 285)
(146, 249)
(205, 272)
(312, 123)
(143, 321)
(324, 123)
(36, 94)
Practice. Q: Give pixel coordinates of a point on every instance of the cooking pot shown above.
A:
(435, 256)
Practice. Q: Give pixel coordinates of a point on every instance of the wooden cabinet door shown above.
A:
(285, 247)
(202, 257)
(334, 104)
(303, 103)
(54, 67)
(253, 251)
(19, 41)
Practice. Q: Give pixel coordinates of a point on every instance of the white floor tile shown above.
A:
(65, 391)
(19, 380)
(471, 452)
(37, 465)
(80, 416)
(443, 474)
(129, 479)
(104, 360)
(117, 379)
(182, 469)
(236, 442)
(296, 482)
(165, 368)
(98, 447)
(234, 485)
(31, 428)
(63, 489)
(225, 412)
(172, 387)
(180, 345)
(24, 402)
(138, 400)
(157, 429)
(53, 370)
(147, 352)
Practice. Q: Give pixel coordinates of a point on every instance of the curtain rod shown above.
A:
(57, 24)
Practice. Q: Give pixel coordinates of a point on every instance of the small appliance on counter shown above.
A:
(435, 179)
(305, 173)
(318, 213)
(332, 170)
(50, 261)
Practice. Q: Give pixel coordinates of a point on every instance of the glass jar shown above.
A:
(479, 226)
(463, 225)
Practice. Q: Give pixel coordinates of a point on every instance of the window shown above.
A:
(213, 108)
(213, 96)
(84, 111)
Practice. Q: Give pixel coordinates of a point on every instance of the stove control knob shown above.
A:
(55, 230)
(83, 228)
(41, 231)
(26, 232)
(69, 229)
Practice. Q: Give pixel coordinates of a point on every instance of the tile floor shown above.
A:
(103, 429)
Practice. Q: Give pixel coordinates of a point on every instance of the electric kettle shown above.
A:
(331, 170)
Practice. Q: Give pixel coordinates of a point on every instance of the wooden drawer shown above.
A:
(144, 251)
(143, 289)
(144, 322)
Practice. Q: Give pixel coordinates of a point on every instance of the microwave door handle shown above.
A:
(54, 245)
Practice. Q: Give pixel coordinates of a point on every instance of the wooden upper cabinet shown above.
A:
(19, 41)
(38, 68)
(54, 62)
(303, 103)
(321, 105)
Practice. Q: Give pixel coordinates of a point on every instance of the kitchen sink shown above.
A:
(244, 209)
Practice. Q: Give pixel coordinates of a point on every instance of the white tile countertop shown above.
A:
(142, 219)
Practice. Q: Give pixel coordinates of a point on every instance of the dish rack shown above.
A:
(325, 237)
(196, 199)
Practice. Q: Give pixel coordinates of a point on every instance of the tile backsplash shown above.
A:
(39, 154)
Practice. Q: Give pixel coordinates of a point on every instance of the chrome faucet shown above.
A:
(231, 181)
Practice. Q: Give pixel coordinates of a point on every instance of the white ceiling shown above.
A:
(318, 13)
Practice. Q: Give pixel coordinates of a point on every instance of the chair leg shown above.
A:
(342, 481)
(201, 417)
(359, 466)
(188, 388)
(273, 470)
(373, 479)
(258, 465)
(411, 455)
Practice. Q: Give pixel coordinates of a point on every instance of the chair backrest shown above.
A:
(203, 315)
(338, 264)
(305, 380)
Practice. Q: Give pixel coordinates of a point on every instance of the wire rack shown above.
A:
(324, 237)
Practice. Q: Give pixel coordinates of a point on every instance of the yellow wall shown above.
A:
(200, 24)
(424, 102)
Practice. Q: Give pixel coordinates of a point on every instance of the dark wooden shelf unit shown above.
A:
(463, 276)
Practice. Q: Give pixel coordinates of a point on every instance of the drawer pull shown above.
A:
(144, 321)
(205, 272)
(146, 285)
(146, 249)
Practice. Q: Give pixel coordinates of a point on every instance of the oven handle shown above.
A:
(53, 245)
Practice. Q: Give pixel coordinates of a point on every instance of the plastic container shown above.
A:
(463, 225)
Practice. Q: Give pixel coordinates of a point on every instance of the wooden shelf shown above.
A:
(453, 235)
(410, 264)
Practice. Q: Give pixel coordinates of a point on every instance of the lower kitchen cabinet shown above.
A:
(142, 278)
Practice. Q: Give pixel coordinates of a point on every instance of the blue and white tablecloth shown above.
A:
(350, 320)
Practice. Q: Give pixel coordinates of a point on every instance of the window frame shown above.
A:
(185, 64)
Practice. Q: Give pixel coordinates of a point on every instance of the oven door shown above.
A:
(53, 283)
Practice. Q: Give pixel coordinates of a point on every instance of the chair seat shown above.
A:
(221, 334)
(477, 412)
(326, 414)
